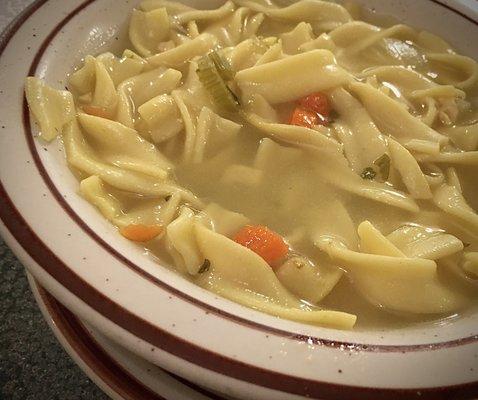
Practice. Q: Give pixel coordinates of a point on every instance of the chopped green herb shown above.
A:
(332, 116)
(368, 173)
(212, 81)
(205, 266)
(383, 164)
(222, 65)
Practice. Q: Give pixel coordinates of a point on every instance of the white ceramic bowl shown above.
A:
(107, 281)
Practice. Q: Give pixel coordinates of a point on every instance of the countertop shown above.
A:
(32, 363)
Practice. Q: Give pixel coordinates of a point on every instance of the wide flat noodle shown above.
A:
(147, 212)
(134, 92)
(449, 199)
(410, 171)
(372, 241)
(184, 13)
(81, 156)
(179, 55)
(363, 142)
(299, 75)
(464, 137)
(213, 134)
(104, 95)
(309, 282)
(294, 134)
(334, 221)
(122, 68)
(323, 15)
(93, 190)
(162, 116)
(53, 109)
(464, 158)
(422, 242)
(391, 118)
(444, 62)
(181, 235)
(293, 40)
(82, 81)
(411, 83)
(123, 147)
(148, 29)
(206, 15)
(236, 27)
(231, 262)
(337, 173)
(395, 283)
(360, 46)
(225, 222)
(235, 267)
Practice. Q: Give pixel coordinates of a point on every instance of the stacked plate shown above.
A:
(143, 332)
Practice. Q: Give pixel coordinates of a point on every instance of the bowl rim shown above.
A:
(26, 237)
(27, 125)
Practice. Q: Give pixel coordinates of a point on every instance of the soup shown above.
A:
(297, 160)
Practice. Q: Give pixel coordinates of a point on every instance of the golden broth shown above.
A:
(308, 185)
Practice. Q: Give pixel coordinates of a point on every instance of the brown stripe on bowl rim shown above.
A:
(80, 222)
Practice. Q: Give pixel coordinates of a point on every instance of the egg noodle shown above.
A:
(295, 159)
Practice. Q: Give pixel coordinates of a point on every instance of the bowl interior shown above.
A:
(86, 34)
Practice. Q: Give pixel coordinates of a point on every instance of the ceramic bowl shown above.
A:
(110, 283)
(117, 371)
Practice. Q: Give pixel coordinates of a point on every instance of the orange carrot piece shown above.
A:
(317, 102)
(96, 111)
(140, 232)
(262, 241)
(302, 117)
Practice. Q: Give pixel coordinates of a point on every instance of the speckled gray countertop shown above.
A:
(32, 363)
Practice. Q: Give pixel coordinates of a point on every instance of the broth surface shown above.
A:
(207, 129)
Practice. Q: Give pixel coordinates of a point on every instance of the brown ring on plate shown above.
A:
(98, 360)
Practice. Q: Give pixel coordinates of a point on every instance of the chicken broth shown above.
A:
(293, 202)
(295, 159)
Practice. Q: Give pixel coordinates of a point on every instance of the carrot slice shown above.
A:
(303, 117)
(140, 232)
(317, 102)
(96, 111)
(262, 241)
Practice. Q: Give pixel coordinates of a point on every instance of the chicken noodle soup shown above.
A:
(296, 159)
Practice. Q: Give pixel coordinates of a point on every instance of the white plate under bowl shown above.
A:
(121, 374)
(109, 283)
